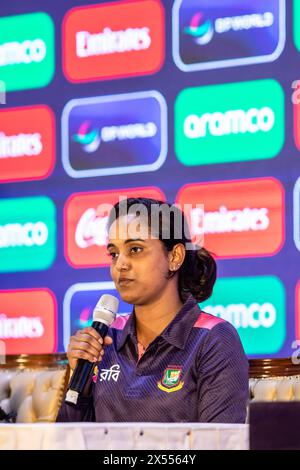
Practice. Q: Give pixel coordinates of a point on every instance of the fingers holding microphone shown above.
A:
(86, 344)
(86, 348)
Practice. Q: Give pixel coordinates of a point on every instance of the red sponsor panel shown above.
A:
(27, 143)
(85, 222)
(240, 218)
(111, 40)
(28, 321)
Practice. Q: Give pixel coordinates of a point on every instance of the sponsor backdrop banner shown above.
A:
(191, 101)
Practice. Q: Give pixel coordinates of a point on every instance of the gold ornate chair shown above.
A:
(274, 380)
(32, 386)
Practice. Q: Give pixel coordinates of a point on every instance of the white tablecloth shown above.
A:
(127, 436)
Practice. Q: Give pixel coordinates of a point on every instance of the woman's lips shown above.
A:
(125, 282)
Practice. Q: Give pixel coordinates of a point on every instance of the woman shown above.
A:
(168, 361)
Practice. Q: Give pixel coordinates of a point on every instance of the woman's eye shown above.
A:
(112, 255)
(136, 249)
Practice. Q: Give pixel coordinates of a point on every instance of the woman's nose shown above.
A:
(122, 263)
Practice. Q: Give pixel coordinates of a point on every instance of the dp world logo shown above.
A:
(112, 135)
(88, 137)
(225, 33)
(199, 29)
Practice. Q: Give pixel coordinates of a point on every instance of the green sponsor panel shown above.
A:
(229, 123)
(296, 24)
(27, 58)
(27, 234)
(256, 307)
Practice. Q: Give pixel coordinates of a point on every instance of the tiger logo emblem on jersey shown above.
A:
(170, 381)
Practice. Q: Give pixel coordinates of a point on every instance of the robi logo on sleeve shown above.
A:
(85, 224)
(111, 40)
(240, 218)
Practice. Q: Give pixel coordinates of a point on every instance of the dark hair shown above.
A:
(197, 273)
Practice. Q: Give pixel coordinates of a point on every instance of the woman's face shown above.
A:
(139, 262)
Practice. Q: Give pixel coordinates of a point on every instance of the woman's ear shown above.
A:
(176, 257)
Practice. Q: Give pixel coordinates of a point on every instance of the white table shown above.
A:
(125, 436)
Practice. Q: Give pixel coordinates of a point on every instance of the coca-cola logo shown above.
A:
(85, 223)
(91, 229)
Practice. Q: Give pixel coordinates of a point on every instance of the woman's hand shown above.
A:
(86, 344)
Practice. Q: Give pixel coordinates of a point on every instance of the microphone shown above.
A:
(103, 315)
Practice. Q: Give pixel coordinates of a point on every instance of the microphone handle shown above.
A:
(84, 368)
